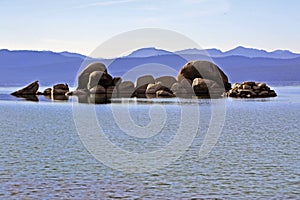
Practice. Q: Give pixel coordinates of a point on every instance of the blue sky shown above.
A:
(81, 25)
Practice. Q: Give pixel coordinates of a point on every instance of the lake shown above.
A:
(45, 153)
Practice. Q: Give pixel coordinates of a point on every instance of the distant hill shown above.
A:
(242, 51)
(148, 52)
(18, 68)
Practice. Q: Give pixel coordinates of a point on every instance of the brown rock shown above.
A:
(246, 87)
(99, 78)
(263, 93)
(60, 89)
(144, 80)
(80, 92)
(117, 81)
(30, 89)
(166, 81)
(179, 90)
(164, 94)
(205, 70)
(111, 92)
(187, 85)
(126, 89)
(250, 83)
(272, 93)
(153, 88)
(207, 88)
(141, 86)
(98, 89)
(84, 76)
(261, 85)
(47, 91)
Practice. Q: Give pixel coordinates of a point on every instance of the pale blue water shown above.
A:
(256, 156)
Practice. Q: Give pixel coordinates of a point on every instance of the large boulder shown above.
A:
(205, 70)
(125, 89)
(99, 78)
(166, 81)
(141, 85)
(84, 76)
(144, 80)
(179, 90)
(30, 89)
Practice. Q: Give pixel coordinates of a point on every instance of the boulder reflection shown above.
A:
(93, 99)
(28, 97)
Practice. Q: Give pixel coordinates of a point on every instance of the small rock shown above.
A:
(47, 91)
(246, 87)
(60, 89)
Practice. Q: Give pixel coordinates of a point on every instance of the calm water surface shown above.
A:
(256, 156)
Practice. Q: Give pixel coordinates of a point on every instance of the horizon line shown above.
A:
(222, 50)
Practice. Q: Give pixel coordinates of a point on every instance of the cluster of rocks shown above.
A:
(196, 78)
(251, 89)
(95, 79)
(29, 92)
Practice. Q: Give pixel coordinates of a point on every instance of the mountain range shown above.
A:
(240, 64)
(238, 51)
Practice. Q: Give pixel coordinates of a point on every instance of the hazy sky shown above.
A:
(81, 25)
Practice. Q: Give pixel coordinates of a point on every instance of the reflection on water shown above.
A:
(257, 155)
(92, 99)
(28, 97)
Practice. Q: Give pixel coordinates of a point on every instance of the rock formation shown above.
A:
(166, 81)
(251, 89)
(142, 84)
(60, 89)
(125, 89)
(30, 89)
(207, 88)
(84, 76)
(202, 79)
(196, 78)
(158, 90)
(204, 70)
